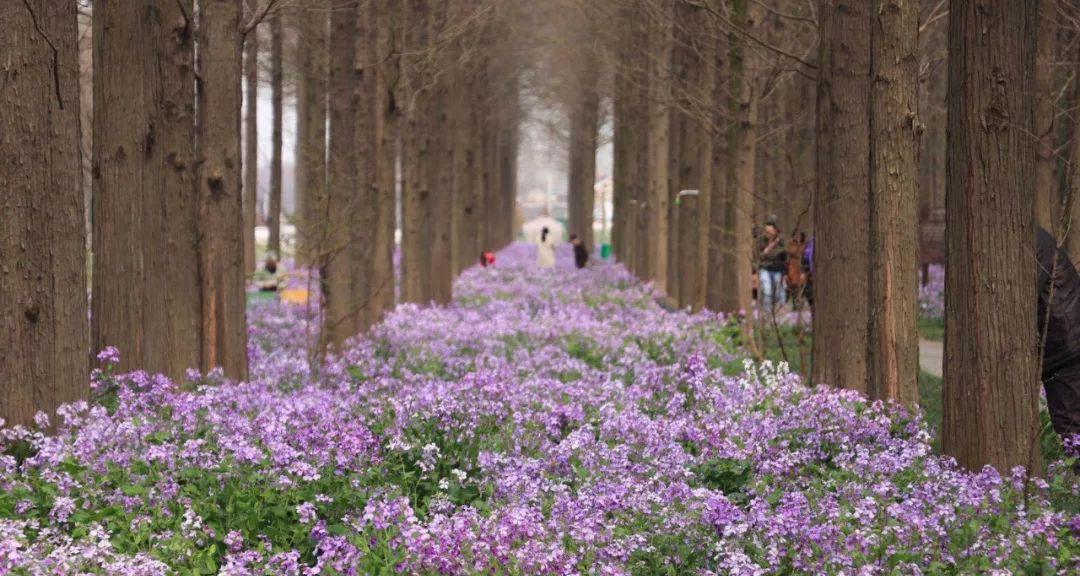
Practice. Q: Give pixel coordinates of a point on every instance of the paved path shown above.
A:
(931, 356)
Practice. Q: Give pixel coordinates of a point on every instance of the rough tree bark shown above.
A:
(144, 224)
(695, 151)
(251, 145)
(738, 257)
(312, 61)
(43, 328)
(339, 315)
(584, 125)
(382, 271)
(841, 210)
(658, 151)
(720, 201)
(273, 213)
(416, 156)
(991, 399)
(221, 249)
(1046, 183)
(362, 229)
(440, 172)
(893, 344)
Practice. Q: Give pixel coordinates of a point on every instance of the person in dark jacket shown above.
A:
(581, 255)
(1059, 323)
(772, 265)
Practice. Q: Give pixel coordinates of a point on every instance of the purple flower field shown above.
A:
(548, 422)
(932, 294)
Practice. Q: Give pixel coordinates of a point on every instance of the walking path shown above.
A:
(931, 357)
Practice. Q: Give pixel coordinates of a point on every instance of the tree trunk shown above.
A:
(43, 361)
(695, 151)
(584, 124)
(144, 197)
(312, 62)
(251, 146)
(362, 220)
(339, 316)
(1046, 187)
(893, 350)
(721, 198)
(273, 215)
(991, 399)
(658, 150)
(841, 209)
(440, 172)
(738, 259)
(181, 201)
(416, 152)
(382, 272)
(221, 250)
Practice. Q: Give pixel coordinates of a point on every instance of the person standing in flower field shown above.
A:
(545, 250)
(772, 264)
(1059, 336)
(581, 254)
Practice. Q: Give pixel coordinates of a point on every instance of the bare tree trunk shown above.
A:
(584, 124)
(144, 197)
(312, 62)
(738, 258)
(440, 172)
(273, 215)
(221, 250)
(659, 114)
(695, 150)
(382, 272)
(720, 190)
(251, 146)
(991, 400)
(841, 210)
(893, 350)
(362, 221)
(416, 156)
(339, 316)
(181, 201)
(43, 361)
(1046, 187)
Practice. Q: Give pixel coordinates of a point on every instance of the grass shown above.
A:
(933, 330)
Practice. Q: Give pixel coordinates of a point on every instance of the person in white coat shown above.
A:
(545, 250)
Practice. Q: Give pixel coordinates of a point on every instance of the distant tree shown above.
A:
(339, 316)
(738, 256)
(386, 142)
(251, 145)
(312, 66)
(658, 144)
(273, 213)
(416, 154)
(584, 115)
(43, 327)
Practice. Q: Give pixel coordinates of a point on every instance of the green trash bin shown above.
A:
(605, 251)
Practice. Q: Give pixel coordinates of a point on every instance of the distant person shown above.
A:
(772, 264)
(269, 278)
(545, 250)
(796, 272)
(808, 266)
(487, 259)
(581, 254)
(1060, 321)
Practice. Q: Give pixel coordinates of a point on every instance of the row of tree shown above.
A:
(394, 100)
(694, 83)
